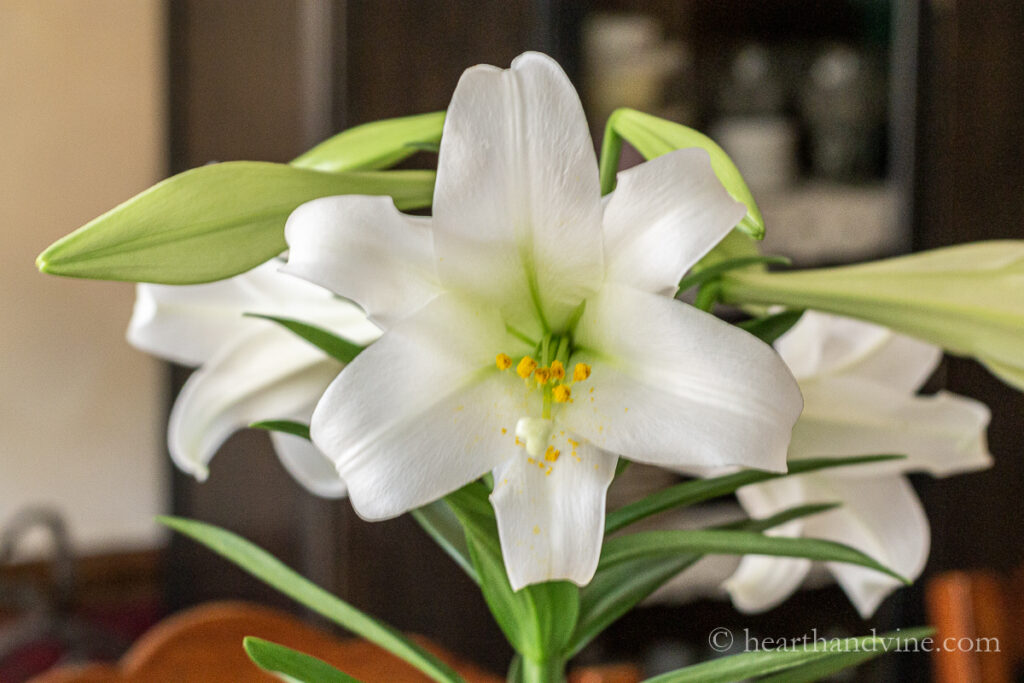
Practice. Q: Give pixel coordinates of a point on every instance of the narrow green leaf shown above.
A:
(298, 666)
(334, 346)
(212, 222)
(375, 145)
(432, 147)
(440, 523)
(770, 327)
(707, 296)
(665, 544)
(763, 662)
(287, 426)
(653, 136)
(616, 590)
(699, 490)
(711, 272)
(273, 572)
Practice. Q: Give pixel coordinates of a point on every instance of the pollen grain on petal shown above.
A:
(561, 393)
(526, 367)
(580, 372)
(551, 454)
(503, 361)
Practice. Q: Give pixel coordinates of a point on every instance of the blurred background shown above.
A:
(865, 128)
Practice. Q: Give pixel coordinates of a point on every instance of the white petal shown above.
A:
(266, 373)
(366, 250)
(880, 516)
(551, 514)
(308, 465)
(422, 411)
(677, 387)
(517, 205)
(664, 215)
(821, 344)
(761, 583)
(189, 324)
(942, 434)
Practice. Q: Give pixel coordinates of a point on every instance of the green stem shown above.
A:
(549, 671)
(611, 151)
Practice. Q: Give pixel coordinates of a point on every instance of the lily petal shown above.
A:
(821, 344)
(517, 205)
(664, 216)
(761, 583)
(423, 410)
(307, 464)
(265, 373)
(366, 250)
(942, 434)
(677, 387)
(880, 516)
(551, 514)
(189, 324)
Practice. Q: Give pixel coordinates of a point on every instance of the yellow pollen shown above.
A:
(536, 529)
(551, 455)
(518, 442)
(573, 443)
(504, 431)
(542, 375)
(557, 370)
(580, 372)
(548, 471)
(503, 361)
(561, 393)
(526, 367)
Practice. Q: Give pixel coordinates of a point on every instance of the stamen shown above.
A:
(542, 375)
(561, 393)
(580, 372)
(503, 361)
(526, 367)
(557, 370)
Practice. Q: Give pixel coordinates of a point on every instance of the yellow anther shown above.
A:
(503, 361)
(561, 393)
(542, 375)
(526, 367)
(580, 372)
(552, 453)
(557, 370)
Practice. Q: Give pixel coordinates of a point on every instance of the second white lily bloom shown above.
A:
(251, 369)
(859, 383)
(531, 330)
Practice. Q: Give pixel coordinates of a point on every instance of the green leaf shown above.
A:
(273, 572)
(699, 490)
(653, 136)
(703, 276)
(212, 222)
(278, 659)
(375, 145)
(333, 345)
(762, 662)
(666, 544)
(440, 523)
(770, 327)
(538, 620)
(286, 426)
(616, 590)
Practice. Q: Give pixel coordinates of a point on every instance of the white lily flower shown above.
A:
(859, 383)
(530, 329)
(252, 369)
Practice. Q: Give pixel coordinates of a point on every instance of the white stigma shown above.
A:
(535, 431)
